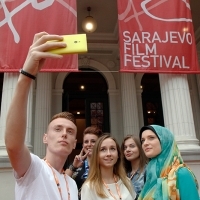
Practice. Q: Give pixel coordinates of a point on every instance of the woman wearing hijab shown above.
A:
(167, 177)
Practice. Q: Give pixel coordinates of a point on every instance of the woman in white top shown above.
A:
(107, 178)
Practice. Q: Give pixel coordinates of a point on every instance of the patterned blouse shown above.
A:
(138, 180)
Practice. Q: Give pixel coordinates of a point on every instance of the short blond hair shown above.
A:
(65, 115)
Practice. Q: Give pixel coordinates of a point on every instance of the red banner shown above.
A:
(21, 19)
(156, 36)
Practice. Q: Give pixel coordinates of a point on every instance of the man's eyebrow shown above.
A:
(58, 125)
(63, 126)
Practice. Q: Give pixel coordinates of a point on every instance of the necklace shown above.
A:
(117, 188)
(132, 174)
(57, 181)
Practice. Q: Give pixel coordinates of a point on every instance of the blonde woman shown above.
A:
(107, 178)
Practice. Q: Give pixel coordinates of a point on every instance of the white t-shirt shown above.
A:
(38, 183)
(88, 194)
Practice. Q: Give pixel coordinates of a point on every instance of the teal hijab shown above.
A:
(161, 170)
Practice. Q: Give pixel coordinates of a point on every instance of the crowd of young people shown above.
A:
(148, 168)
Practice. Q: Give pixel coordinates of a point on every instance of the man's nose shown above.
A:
(64, 134)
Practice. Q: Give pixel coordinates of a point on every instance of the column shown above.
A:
(195, 100)
(177, 110)
(57, 101)
(9, 83)
(42, 111)
(140, 108)
(129, 104)
(115, 113)
(198, 84)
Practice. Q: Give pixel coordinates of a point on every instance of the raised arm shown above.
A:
(78, 162)
(17, 114)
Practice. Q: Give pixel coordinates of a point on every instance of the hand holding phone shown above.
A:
(76, 43)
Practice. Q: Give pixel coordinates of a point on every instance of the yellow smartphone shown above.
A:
(76, 43)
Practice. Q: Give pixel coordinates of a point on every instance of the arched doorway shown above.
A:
(85, 95)
(151, 100)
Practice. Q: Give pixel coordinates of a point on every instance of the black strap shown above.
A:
(27, 74)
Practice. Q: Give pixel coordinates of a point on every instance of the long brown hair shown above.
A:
(94, 176)
(143, 158)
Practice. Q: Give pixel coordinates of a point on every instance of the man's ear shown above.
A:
(45, 138)
(75, 144)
